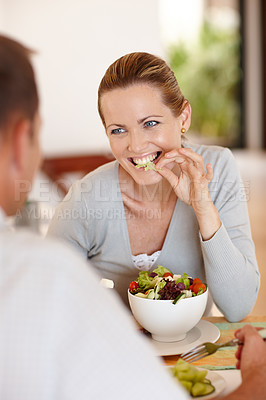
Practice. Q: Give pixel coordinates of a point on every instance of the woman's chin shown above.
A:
(147, 177)
(139, 175)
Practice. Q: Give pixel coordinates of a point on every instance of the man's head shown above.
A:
(18, 91)
(19, 124)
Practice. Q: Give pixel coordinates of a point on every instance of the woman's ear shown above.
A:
(186, 117)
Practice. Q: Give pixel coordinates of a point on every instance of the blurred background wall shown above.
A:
(214, 46)
(76, 40)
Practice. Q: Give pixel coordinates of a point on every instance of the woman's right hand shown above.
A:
(191, 186)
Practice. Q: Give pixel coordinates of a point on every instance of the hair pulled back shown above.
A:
(143, 68)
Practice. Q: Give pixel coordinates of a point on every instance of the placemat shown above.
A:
(225, 358)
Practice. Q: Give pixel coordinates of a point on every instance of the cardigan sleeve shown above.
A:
(229, 256)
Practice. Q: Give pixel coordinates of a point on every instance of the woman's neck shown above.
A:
(160, 192)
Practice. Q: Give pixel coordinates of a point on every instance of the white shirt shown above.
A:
(62, 335)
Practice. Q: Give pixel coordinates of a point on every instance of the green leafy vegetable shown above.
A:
(160, 270)
(162, 284)
(145, 281)
(148, 166)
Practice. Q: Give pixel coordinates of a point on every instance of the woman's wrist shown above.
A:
(209, 222)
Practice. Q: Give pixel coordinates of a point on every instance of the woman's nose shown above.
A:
(137, 142)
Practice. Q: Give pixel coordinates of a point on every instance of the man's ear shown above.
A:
(186, 117)
(20, 143)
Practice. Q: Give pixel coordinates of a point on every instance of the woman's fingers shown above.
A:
(186, 158)
(170, 176)
(191, 182)
(175, 157)
(194, 157)
(209, 173)
(193, 168)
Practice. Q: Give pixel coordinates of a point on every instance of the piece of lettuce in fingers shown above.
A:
(148, 166)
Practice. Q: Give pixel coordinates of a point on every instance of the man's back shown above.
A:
(62, 335)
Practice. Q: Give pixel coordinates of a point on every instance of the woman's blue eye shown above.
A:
(151, 123)
(117, 131)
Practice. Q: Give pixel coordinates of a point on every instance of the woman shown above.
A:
(156, 204)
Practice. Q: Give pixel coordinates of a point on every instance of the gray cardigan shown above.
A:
(93, 219)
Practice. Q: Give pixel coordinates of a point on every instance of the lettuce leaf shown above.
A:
(148, 166)
(145, 281)
(160, 270)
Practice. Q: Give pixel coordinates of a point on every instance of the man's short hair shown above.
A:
(18, 90)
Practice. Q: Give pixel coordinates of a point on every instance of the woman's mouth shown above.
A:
(143, 161)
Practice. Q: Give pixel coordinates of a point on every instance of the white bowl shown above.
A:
(168, 322)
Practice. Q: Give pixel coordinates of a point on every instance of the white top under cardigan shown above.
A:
(93, 219)
(144, 262)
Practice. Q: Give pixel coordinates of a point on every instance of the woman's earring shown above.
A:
(183, 130)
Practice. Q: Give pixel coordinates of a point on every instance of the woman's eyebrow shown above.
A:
(149, 116)
(119, 125)
(140, 121)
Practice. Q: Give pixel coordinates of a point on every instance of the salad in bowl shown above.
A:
(167, 305)
(162, 284)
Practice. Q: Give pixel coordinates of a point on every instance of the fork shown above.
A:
(208, 348)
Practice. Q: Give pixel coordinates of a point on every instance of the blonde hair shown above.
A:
(143, 68)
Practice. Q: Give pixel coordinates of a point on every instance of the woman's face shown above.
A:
(140, 128)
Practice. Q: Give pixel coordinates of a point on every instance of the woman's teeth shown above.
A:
(144, 160)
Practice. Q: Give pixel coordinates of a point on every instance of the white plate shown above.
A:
(217, 381)
(204, 331)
